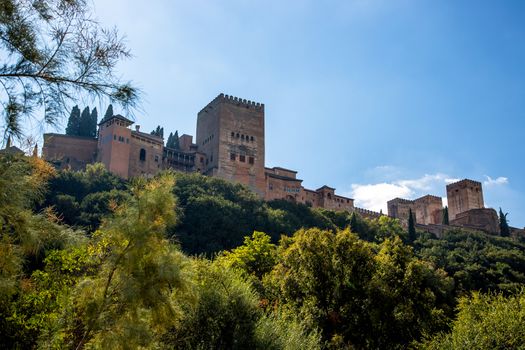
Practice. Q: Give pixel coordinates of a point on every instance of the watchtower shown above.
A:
(463, 196)
(230, 131)
(113, 146)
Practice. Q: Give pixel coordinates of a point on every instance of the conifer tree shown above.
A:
(503, 224)
(170, 140)
(73, 123)
(353, 222)
(85, 123)
(411, 226)
(109, 112)
(445, 216)
(93, 123)
(176, 143)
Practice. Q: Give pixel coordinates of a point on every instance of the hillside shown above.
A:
(188, 261)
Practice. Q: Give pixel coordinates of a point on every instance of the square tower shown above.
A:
(464, 195)
(230, 131)
(114, 137)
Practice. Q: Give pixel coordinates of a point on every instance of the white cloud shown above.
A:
(495, 182)
(375, 196)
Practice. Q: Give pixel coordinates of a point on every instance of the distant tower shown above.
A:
(463, 196)
(113, 149)
(230, 131)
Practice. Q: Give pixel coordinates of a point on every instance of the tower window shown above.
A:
(242, 137)
(156, 158)
(114, 137)
(242, 158)
(233, 134)
(232, 156)
(237, 135)
(142, 155)
(250, 160)
(251, 138)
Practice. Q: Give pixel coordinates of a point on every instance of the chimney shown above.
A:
(137, 127)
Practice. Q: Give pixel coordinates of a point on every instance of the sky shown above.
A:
(377, 98)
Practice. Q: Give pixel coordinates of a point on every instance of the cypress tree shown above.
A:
(161, 132)
(85, 123)
(353, 222)
(176, 143)
(504, 229)
(170, 140)
(109, 111)
(73, 123)
(411, 227)
(445, 216)
(93, 123)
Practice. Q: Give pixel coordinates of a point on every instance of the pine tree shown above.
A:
(411, 226)
(445, 216)
(109, 112)
(503, 224)
(73, 123)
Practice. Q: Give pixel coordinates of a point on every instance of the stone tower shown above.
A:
(230, 131)
(463, 196)
(113, 146)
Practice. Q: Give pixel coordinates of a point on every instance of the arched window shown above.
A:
(142, 156)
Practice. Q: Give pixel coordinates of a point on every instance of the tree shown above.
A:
(85, 122)
(53, 52)
(109, 112)
(174, 141)
(159, 131)
(411, 227)
(445, 220)
(503, 224)
(73, 123)
(485, 322)
(93, 123)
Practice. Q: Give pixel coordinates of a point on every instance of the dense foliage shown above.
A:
(84, 124)
(334, 280)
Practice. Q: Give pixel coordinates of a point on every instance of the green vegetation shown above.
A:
(54, 52)
(186, 261)
(173, 140)
(503, 224)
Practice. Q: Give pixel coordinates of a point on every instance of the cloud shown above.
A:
(495, 182)
(375, 196)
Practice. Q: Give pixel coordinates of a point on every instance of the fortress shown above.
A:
(230, 144)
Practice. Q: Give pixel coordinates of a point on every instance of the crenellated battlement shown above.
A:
(429, 196)
(234, 101)
(401, 200)
(464, 182)
(366, 212)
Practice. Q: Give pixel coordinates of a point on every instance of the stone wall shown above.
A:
(69, 152)
(480, 219)
(151, 148)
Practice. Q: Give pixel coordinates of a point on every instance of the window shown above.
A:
(211, 158)
(114, 137)
(237, 135)
(233, 134)
(202, 160)
(271, 187)
(142, 155)
(250, 160)
(232, 156)
(251, 138)
(242, 137)
(242, 158)
(156, 158)
(127, 140)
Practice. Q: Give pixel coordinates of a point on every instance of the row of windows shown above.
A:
(242, 158)
(242, 137)
(291, 189)
(120, 138)
(208, 139)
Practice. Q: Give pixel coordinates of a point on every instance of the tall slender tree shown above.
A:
(411, 226)
(176, 143)
(73, 123)
(85, 122)
(93, 123)
(504, 229)
(445, 220)
(109, 112)
(170, 140)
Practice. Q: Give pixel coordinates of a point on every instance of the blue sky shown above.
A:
(378, 98)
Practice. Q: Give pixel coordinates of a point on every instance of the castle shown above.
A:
(466, 209)
(230, 144)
